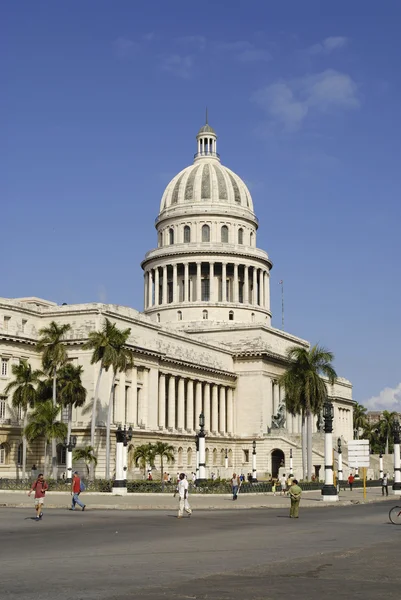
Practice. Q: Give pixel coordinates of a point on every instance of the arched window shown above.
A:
(222, 458)
(3, 454)
(240, 236)
(231, 315)
(205, 315)
(189, 457)
(179, 457)
(61, 454)
(214, 457)
(171, 235)
(205, 233)
(224, 234)
(251, 239)
(19, 455)
(230, 458)
(207, 456)
(187, 234)
(179, 315)
(160, 237)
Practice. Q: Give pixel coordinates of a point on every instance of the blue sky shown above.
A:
(101, 107)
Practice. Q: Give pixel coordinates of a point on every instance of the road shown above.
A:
(340, 552)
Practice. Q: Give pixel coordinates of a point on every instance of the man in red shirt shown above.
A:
(75, 491)
(40, 486)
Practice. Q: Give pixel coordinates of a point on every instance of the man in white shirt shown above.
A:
(183, 496)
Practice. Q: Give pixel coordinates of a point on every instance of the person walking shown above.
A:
(40, 486)
(295, 495)
(183, 496)
(385, 484)
(283, 483)
(76, 489)
(351, 479)
(235, 485)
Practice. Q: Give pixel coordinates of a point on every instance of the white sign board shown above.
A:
(358, 453)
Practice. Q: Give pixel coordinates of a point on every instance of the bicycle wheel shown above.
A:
(395, 515)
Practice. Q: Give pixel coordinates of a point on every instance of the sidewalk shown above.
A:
(106, 501)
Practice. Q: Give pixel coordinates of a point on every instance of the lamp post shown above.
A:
(197, 456)
(226, 460)
(123, 436)
(397, 465)
(291, 468)
(340, 462)
(202, 448)
(329, 492)
(69, 446)
(381, 472)
(254, 478)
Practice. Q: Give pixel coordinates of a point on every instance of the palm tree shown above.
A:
(386, 424)
(43, 423)
(24, 396)
(360, 420)
(164, 451)
(306, 391)
(86, 454)
(121, 359)
(71, 392)
(141, 456)
(54, 355)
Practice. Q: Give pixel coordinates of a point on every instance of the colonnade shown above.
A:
(181, 400)
(207, 282)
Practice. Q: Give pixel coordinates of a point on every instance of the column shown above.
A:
(198, 281)
(224, 282)
(190, 405)
(206, 406)
(246, 284)
(145, 289)
(222, 411)
(151, 287)
(119, 484)
(198, 402)
(186, 281)
(230, 411)
(214, 423)
(381, 465)
(164, 284)
(255, 288)
(235, 282)
(260, 285)
(276, 398)
(267, 291)
(181, 404)
(157, 282)
(171, 403)
(132, 405)
(211, 282)
(175, 266)
(145, 397)
(162, 401)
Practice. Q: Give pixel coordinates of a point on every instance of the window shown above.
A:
(189, 457)
(4, 366)
(214, 457)
(205, 290)
(179, 315)
(3, 407)
(24, 322)
(169, 292)
(19, 455)
(61, 454)
(160, 238)
(6, 322)
(205, 315)
(158, 317)
(222, 458)
(231, 315)
(187, 234)
(240, 236)
(180, 464)
(224, 234)
(3, 454)
(246, 456)
(171, 235)
(205, 233)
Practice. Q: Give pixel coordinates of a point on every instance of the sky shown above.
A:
(100, 107)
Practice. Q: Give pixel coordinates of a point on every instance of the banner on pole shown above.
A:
(358, 453)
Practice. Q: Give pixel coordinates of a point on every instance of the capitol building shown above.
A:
(202, 343)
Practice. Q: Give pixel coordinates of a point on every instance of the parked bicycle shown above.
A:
(395, 515)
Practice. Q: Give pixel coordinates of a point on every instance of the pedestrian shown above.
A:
(40, 486)
(295, 495)
(194, 478)
(165, 477)
(76, 488)
(283, 484)
(150, 477)
(385, 484)
(351, 479)
(274, 487)
(235, 485)
(183, 496)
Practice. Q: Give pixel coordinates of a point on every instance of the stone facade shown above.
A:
(203, 343)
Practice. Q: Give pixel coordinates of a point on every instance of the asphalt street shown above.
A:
(341, 553)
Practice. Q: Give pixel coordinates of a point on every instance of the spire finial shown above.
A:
(207, 122)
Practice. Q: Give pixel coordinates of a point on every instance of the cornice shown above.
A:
(173, 252)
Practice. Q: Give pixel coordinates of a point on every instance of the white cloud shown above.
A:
(328, 45)
(180, 66)
(388, 399)
(243, 51)
(288, 103)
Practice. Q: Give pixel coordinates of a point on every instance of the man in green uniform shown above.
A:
(295, 495)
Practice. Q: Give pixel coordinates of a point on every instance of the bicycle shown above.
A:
(395, 515)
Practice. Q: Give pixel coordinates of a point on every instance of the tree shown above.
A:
(164, 451)
(101, 342)
(306, 391)
(71, 392)
(360, 420)
(54, 355)
(42, 422)
(141, 456)
(24, 395)
(386, 424)
(86, 454)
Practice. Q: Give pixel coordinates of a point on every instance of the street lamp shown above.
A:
(381, 465)
(226, 460)
(197, 456)
(69, 446)
(329, 492)
(340, 461)
(254, 478)
(397, 466)
(123, 436)
(291, 468)
(202, 448)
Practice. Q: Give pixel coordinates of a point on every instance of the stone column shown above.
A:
(164, 284)
(276, 397)
(151, 287)
(255, 288)
(198, 281)
(157, 281)
(162, 401)
(224, 282)
(132, 406)
(145, 289)
(175, 266)
(145, 397)
(206, 406)
(235, 282)
(230, 411)
(267, 291)
(186, 281)
(181, 404)
(211, 282)
(190, 405)
(171, 402)
(222, 411)
(214, 423)
(246, 284)
(198, 402)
